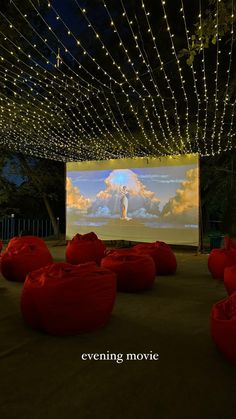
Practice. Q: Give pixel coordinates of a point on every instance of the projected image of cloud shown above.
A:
(141, 202)
(136, 200)
(183, 206)
(74, 199)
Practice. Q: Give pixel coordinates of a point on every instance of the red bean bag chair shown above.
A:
(230, 279)
(64, 299)
(18, 261)
(134, 272)
(162, 254)
(223, 326)
(18, 241)
(229, 243)
(219, 259)
(120, 251)
(85, 248)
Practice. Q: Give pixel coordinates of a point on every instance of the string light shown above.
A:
(96, 125)
(49, 106)
(182, 81)
(230, 136)
(194, 79)
(58, 40)
(111, 79)
(71, 104)
(226, 94)
(32, 115)
(216, 78)
(205, 149)
(162, 67)
(129, 61)
(149, 70)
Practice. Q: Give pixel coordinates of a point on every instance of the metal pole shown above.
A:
(12, 225)
(58, 227)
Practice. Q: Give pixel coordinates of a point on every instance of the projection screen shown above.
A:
(140, 200)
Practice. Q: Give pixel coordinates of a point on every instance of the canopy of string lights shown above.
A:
(99, 79)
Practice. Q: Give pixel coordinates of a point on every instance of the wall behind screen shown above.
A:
(141, 200)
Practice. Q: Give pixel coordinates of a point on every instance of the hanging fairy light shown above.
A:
(216, 103)
(70, 103)
(182, 81)
(162, 68)
(194, 78)
(206, 100)
(226, 94)
(149, 70)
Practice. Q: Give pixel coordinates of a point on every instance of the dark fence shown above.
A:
(11, 226)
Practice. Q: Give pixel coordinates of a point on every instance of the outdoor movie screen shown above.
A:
(141, 200)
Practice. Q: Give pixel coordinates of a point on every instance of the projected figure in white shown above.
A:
(124, 203)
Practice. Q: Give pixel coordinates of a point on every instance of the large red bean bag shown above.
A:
(64, 299)
(218, 260)
(229, 244)
(162, 254)
(230, 279)
(134, 272)
(18, 241)
(18, 261)
(120, 251)
(85, 248)
(223, 326)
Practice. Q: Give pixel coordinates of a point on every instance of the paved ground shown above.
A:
(44, 377)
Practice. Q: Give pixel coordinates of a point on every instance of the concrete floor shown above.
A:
(45, 376)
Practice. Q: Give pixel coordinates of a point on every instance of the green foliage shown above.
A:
(205, 29)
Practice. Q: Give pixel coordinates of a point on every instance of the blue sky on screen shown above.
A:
(162, 180)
